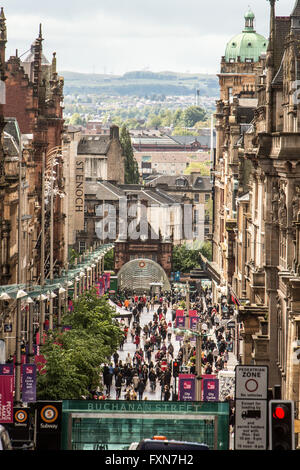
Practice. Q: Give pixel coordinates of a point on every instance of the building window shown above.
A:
(82, 246)
(207, 197)
(196, 198)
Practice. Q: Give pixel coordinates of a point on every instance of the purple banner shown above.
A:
(186, 387)
(29, 383)
(6, 393)
(210, 389)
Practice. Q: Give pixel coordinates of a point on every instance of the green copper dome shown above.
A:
(248, 45)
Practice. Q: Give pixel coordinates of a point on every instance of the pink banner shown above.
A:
(179, 312)
(193, 313)
(6, 393)
(40, 362)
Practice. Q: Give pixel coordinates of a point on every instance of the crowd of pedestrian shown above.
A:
(151, 362)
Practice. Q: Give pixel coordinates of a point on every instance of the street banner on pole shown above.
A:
(28, 383)
(186, 387)
(193, 322)
(193, 313)
(179, 323)
(6, 393)
(211, 389)
(179, 313)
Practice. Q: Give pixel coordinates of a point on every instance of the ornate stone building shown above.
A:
(235, 110)
(34, 97)
(257, 174)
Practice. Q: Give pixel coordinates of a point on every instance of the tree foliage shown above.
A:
(131, 166)
(74, 357)
(192, 115)
(109, 261)
(185, 259)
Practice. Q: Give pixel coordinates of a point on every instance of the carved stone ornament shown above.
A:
(275, 202)
(296, 202)
(282, 210)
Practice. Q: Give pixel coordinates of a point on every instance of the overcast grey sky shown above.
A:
(116, 36)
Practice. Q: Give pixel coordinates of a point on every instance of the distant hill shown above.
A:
(140, 83)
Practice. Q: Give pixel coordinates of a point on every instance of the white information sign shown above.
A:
(250, 427)
(251, 394)
(251, 382)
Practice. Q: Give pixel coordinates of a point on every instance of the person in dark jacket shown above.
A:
(107, 379)
(141, 389)
(119, 380)
(167, 393)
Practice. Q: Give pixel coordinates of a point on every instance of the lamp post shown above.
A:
(18, 319)
(51, 159)
(188, 332)
(30, 302)
(61, 291)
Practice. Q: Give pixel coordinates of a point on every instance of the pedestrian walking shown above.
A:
(141, 389)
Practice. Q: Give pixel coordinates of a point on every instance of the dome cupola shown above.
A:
(248, 45)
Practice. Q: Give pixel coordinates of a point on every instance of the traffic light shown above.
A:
(281, 425)
(175, 368)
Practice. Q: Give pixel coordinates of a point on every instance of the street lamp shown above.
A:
(61, 291)
(49, 178)
(189, 333)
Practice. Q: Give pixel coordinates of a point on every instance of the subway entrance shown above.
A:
(116, 425)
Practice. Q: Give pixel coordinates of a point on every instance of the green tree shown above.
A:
(193, 114)
(76, 120)
(178, 118)
(183, 131)
(200, 167)
(154, 121)
(109, 261)
(131, 166)
(74, 357)
(185, 259)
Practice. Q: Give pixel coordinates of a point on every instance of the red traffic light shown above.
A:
(279, 412)
(175, 364)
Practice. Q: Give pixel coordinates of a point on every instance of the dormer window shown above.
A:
(181, 182)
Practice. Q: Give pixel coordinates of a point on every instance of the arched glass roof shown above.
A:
(138, 275)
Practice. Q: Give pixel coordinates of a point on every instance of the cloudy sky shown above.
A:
(116, 36)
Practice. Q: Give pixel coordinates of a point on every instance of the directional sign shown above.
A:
(251, 382)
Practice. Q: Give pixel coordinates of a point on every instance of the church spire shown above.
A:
(3, 35)
(270, 68)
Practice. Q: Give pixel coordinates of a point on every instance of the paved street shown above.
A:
(129, 347)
